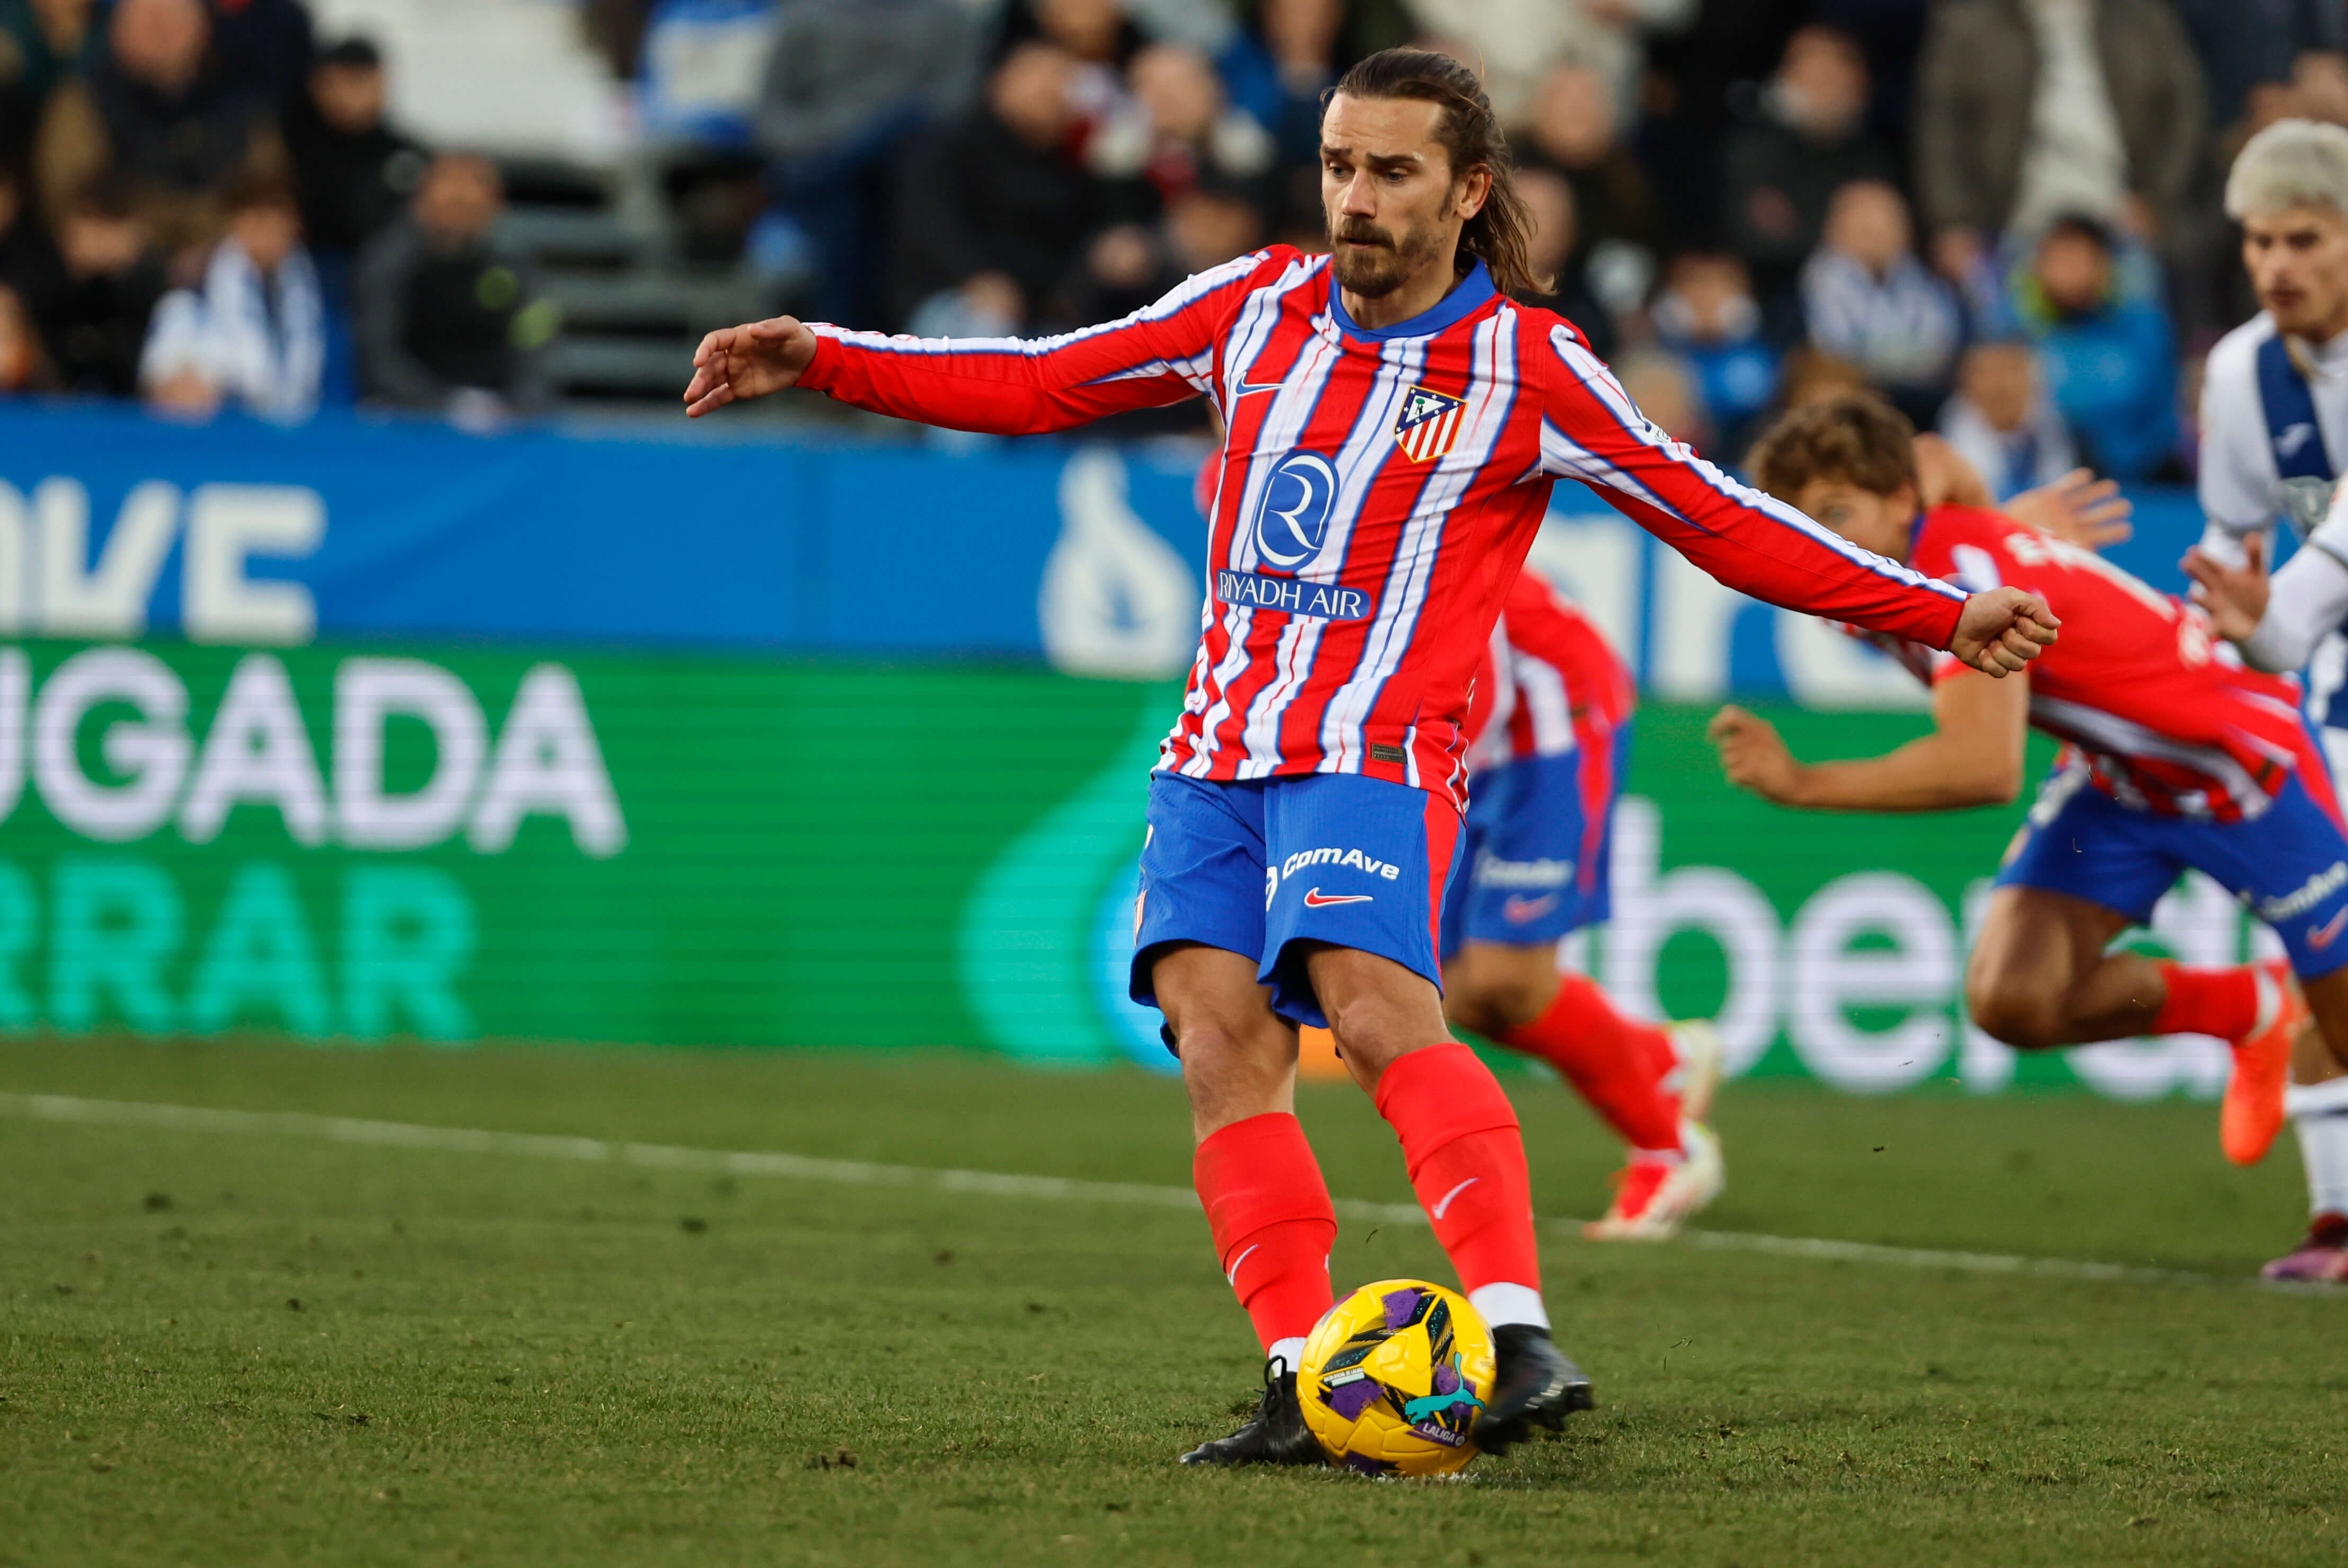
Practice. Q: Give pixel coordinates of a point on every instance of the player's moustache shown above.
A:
(1365, 234)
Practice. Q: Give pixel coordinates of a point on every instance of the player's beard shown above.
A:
(1387, 259)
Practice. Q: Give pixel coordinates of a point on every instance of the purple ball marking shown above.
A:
(1447, 1381)
(1350, 1399)
(1401, 1306)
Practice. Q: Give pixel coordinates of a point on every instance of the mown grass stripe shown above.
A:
(995, 1184)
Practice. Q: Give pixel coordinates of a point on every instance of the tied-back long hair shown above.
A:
(1500, 234)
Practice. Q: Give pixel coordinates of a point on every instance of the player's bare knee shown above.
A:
(2017, 1014)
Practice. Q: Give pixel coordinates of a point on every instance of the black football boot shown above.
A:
(1535, 1384)
(1275, 1435)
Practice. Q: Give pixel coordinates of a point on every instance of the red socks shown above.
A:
(1466, 1162)
(1615, 1063)
(2220, 1002)
(1273, 1222)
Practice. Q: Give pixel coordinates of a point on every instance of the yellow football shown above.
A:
(1394, 1378)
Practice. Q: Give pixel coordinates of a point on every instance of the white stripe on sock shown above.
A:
(1507, 1304)
(1291, 1350)
(2316, 1098)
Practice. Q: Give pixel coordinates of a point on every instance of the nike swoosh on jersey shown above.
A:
(1242, 390)
(2321, 936)
(1444, 1203)
(1315, 899)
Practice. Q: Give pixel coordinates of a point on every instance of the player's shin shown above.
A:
(1273, 1223)
(1465, 1157)
(1618, 1065)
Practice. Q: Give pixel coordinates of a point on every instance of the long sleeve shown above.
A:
(1592, 431)
(2308, 598)
(1160, 355)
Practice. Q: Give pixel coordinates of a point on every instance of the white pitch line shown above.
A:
(989, 1183)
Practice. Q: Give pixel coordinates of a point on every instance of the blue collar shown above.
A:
(1466, 298)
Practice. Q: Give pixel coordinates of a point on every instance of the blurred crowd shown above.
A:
(2003, 213)
(202, 204)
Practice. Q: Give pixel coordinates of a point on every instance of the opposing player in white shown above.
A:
(2274, 427)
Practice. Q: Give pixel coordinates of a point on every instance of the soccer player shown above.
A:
(2176, 757)
(1395, 421)
(2274, 407)
(1548, 744)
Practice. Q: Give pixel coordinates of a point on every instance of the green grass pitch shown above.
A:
(241, 1349)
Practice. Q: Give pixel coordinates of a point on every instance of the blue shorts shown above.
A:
(2289, 865)
(1539, 861)
(1259, 866)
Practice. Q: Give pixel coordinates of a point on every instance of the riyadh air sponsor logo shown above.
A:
(1493, 872)
(1315, 899)
(1428, 426)
(1519, 909)
(1288, 596)
(2304, 897)
(1292, 519)
(1345, 860)
(2320, 937)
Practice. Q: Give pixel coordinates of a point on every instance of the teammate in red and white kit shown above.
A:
(1395, 422)
(1548, 744)
(2176, 757)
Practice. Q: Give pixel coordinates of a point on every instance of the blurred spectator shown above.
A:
(447, 319)
(1550, 200)
(1175, 130)
(2029, 110)
(1616, 235)
(254, 336)
(1869, 300)
(264, 44)
(1805, 138)
(2109, 356)
(24, 363)
(1277, 70)
(29, 265)
(996, 191)
(160, 114)
(353, 170)
(42, 41)
(2002, 423)
(845, 86)
(1708, 316)
(1513, 43)
(113, 279)
(2243, 43)
(1129, 266)
(1097, 35)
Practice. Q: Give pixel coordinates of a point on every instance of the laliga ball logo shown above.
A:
(1292, 520)
(1394, 1378)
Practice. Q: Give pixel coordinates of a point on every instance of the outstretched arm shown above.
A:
(1973, 757)
(1591, 431)
(2278, 621)
(999, 385)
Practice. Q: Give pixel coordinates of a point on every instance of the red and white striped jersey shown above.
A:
(1549, 683)
(1379, 489)
(2165, 714)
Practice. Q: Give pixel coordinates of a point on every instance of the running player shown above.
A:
(1394, 424)
(2176, 757)
(2274, 410)
(1549, 742)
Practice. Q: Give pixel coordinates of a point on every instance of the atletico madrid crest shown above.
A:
(1428, 426)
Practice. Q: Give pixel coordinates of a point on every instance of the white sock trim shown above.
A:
(1505, 1304)
(2316, 1098)
(1291, 1350)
